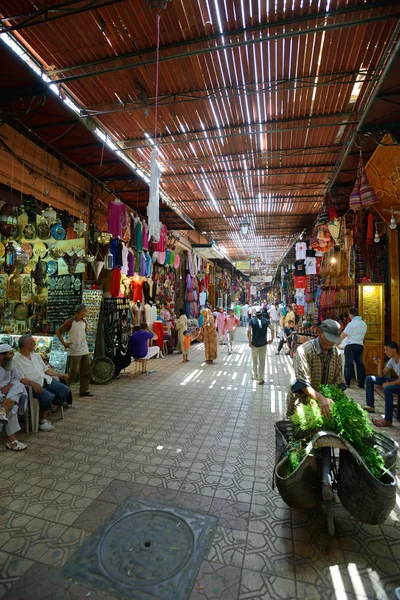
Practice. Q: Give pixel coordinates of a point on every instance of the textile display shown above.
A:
(153, 207)
(116, 218)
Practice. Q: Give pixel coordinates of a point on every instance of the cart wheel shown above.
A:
(330, 520)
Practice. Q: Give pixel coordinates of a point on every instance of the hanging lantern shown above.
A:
(97, 267)
(39, 275)
(9, 258)
(393, 223)
(244, 227)
(108, 261)
(49, 214)
(80, 228)
(9, 220)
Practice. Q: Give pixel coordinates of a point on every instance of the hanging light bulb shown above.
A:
(393, 223)
(377, 239)
(333, 260)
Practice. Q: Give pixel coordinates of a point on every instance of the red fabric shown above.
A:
(115, 283)
(158, 328)
(300, 310)
(300, 282)
(370, 230)
(137, 290)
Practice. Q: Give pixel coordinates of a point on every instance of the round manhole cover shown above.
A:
(146, 547)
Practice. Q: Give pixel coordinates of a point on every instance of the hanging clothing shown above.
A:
(116, 218)
(116, 251)
(145, 236)
(146, 291)
(160, 245)
(132, 241)
(115, 282)
(139, 235)
(125, 254)
(142, 270)
(131, 264)
(137, 287)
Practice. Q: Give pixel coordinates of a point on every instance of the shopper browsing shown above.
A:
(140, 349)
(390, 385)
(354, 335)
(286, 338)
(78, 350)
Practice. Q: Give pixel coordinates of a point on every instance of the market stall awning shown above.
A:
(257, 102)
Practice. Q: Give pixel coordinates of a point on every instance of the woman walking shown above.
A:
(208, 334)
(181, 326)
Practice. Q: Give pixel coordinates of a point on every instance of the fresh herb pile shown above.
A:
(296, 452)
(347, 420)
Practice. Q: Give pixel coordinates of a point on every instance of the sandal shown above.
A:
(16, 445)
(382, 423)
(369, 409)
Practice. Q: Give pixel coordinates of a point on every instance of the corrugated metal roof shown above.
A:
(256, 98)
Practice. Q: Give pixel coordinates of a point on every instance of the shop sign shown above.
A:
(243, 265)
(261, 278)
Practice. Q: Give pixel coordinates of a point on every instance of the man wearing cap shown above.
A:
(257, 335)
(78, 350)
(317, 362)
(13, 397)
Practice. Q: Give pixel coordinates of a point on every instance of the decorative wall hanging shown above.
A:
(97, 267)
(43, 230)
(21, 257)
(28, 231)
(58, 232)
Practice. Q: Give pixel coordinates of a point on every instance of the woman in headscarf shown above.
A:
(208, 334)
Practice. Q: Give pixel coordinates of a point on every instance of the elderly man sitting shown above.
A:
(36, 373)
(13, 397)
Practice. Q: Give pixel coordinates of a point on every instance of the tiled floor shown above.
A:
(200, 437)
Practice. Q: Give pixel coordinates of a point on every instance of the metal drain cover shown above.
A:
(144, 550)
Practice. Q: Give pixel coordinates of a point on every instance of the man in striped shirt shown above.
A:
(316, 362)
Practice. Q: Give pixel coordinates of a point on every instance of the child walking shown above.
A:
(186, 341)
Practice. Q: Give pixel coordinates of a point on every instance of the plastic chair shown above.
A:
(33, 409)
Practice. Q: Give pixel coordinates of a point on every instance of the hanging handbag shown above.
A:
(332, 212)
(355, 198)
(367, 192)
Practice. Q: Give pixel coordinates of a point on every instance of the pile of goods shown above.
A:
(348, 420)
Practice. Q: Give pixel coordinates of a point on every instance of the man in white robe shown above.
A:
(13, 397)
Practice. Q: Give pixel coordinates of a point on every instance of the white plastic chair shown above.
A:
(33, 409)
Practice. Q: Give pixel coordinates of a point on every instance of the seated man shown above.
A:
(315, 362)
(13, 397)
(139, 345)
(390, 385)
(36, 373)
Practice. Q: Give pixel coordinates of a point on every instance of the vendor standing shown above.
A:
(78, 350)
(317, 362)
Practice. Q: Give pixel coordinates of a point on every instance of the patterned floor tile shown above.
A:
(216, 582)
(12, 568)
(94, 516)
(228, 547)
(62, 548)
(268, 554)
(270, 520)
(26, 536)
(261, 586)
(231, 514)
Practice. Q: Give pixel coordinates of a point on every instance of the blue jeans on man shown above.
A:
(388, 392)
(243, 321)
(53, 393)
(353, 354)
